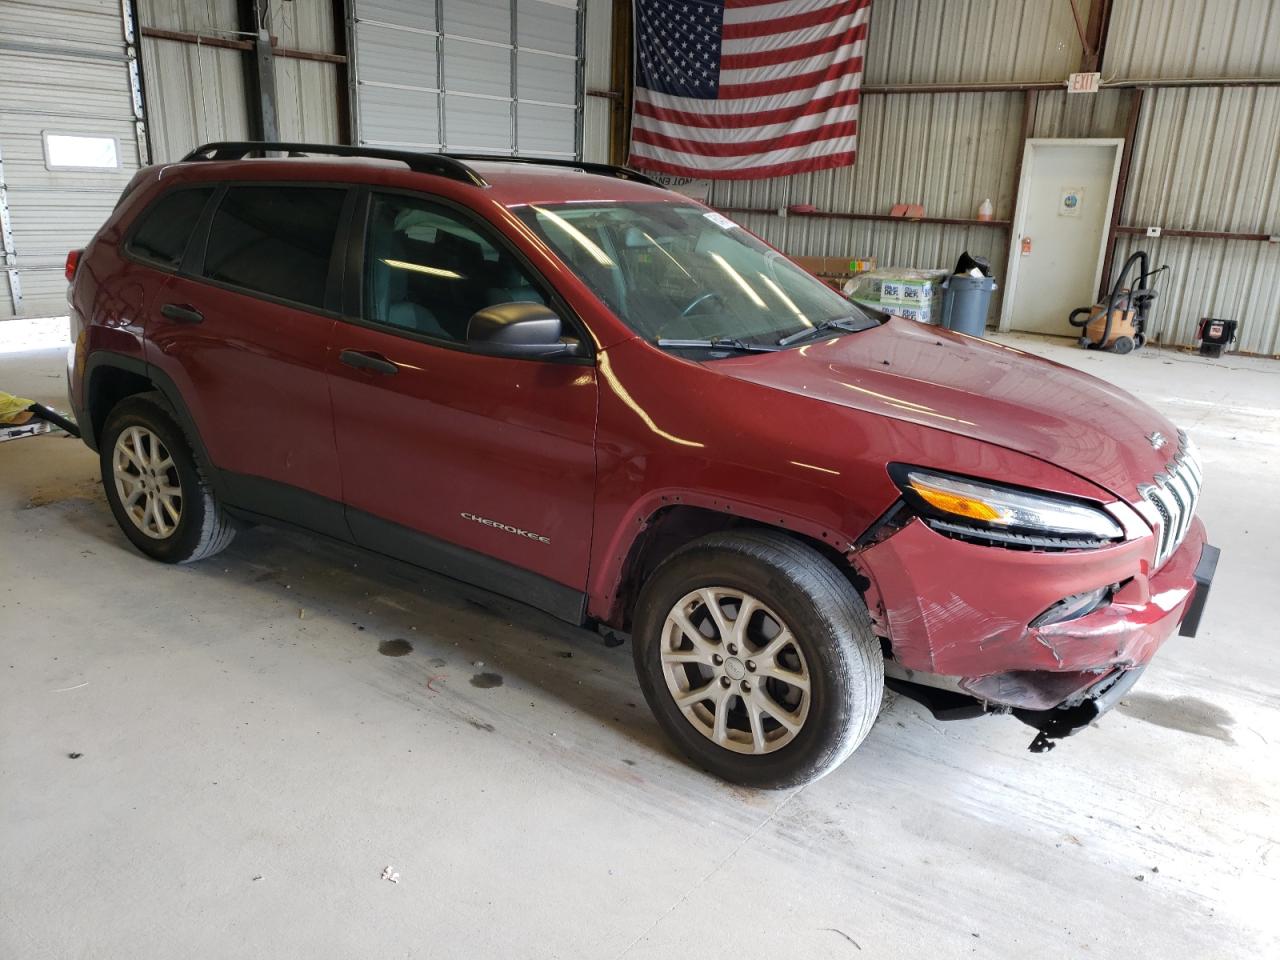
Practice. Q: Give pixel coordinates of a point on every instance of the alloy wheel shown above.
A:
(147, 482)
(735, 670)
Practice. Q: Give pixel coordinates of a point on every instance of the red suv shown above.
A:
(569, 386)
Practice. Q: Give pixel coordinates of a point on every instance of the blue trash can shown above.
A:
(966, 302)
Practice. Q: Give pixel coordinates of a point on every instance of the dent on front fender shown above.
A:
(963, 610)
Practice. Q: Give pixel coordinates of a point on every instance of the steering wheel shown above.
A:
(699, 300)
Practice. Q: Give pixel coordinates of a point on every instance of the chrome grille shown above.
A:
(1174, 495)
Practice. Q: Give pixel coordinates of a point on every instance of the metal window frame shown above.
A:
(78, 168)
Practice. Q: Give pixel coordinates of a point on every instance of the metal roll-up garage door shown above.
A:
(70, 120)
(494, 76)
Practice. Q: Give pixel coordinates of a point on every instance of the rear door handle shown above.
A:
(182, 312)
(368, 361)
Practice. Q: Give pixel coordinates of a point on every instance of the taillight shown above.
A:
(73, 261)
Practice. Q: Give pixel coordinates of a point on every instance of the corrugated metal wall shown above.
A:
(306, 91)
(1209, 159)
(196, 93)
(1079, 116)
(948, 151)
(1237, 279)
(1201, 39)
(1205, 159)
(64, 69)
(902, 138)
(970, 41)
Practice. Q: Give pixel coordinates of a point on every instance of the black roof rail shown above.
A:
(603, 169)
(435, 163)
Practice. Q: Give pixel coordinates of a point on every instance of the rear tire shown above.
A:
(779, 710)
(158, 493)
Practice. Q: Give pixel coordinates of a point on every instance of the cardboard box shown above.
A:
(834, 271)
(909, 211)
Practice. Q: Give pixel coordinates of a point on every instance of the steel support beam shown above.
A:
(224, 43)
(264, 66)
(260, 71)
(622, 80)
(1135, 230)
(1080, 27)
(1095, 36)
(344, 72)
(1060, 85)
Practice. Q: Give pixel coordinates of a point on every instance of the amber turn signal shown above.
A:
(954, 503)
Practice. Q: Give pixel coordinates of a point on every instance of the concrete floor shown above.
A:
(248, 763)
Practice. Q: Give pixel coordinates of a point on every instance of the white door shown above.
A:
(1059, 232)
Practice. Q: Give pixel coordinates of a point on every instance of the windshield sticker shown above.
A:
(724, 223)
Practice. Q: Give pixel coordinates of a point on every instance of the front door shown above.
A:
(479, 467)
(1060, 232)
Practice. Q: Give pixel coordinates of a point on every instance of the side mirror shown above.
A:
(528, 330)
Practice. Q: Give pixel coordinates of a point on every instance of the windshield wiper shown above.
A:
(848, 324)
(720, 343)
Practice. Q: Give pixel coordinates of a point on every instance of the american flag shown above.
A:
(736, 89)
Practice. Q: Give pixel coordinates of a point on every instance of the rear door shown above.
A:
(244, 330)
(481, 467)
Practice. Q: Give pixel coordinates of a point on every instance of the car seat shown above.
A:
(509, 284)
(388, 300)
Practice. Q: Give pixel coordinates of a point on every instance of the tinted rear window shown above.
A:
(167, 224)
(275, 240)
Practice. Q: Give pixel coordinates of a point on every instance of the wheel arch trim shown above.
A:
(608, 583)
(163, 383)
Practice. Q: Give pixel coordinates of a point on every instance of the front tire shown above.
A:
(158, 493)
(757, 658)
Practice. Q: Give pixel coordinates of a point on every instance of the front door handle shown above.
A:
(368, 361)
(182, 312)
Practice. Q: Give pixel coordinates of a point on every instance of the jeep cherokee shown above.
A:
(569, 386)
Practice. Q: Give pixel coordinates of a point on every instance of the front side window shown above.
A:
(166, 227)
(427, 270)
(275, 240)
(681, 272)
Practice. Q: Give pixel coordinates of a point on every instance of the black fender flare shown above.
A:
(163, 383)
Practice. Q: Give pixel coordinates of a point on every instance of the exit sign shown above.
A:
(1083, 82)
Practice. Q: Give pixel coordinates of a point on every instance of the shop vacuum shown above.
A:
(1119, 323)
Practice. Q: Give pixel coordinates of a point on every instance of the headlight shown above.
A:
(971, 509)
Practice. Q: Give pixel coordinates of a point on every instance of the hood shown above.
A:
(978, 389)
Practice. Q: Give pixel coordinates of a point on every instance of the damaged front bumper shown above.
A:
(958, 618)
(948, 698)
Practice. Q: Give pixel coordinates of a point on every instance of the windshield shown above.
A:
(680, 272)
